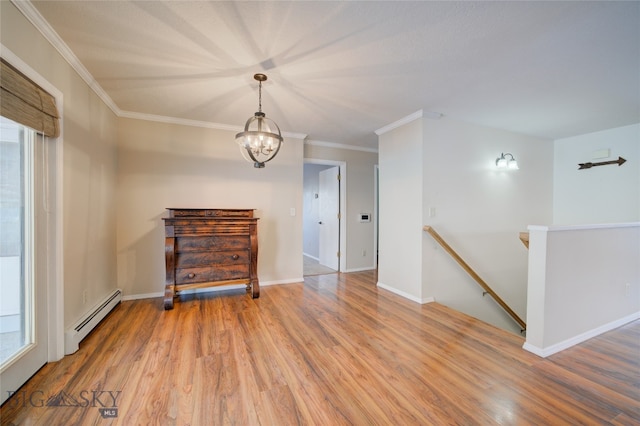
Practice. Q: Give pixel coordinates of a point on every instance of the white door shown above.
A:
(23, 295)
(329, 222)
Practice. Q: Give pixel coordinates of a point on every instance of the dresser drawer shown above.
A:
(213, 242)
(211, 273)
(191, 259)
(210, 248)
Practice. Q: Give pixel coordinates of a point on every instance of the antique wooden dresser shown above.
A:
(210, 247)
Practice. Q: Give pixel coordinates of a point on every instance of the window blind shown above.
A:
(24, 102)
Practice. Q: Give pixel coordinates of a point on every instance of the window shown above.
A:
(30, 226)
(16, 239)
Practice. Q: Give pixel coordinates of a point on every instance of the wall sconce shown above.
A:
(506, 163)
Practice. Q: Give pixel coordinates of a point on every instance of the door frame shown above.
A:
(343, 205)
(376, 213)
(55, 261)
(329, 217)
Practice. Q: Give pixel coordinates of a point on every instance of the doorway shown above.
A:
(323, 210)
(31, 247)
(23, 331)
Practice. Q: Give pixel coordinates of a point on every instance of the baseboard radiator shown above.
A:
(74, 335)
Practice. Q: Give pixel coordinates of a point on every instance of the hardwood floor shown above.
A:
(311, 266)
(334, 350)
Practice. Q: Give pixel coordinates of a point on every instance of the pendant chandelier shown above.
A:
(261, 139)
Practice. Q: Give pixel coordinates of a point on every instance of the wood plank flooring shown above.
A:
(335, 350)
(313, 267)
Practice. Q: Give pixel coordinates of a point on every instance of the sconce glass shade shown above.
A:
(260, 141)
(506, 163)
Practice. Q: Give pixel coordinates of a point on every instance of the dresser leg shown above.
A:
(168, 297)
(255, 290)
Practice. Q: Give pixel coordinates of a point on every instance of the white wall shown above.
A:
(583, 281)
(400, 198)
(310, 214)
(442, 173)
(89, 166)
(480, 212)
(169, 165)
(603, 194)
(359, 199)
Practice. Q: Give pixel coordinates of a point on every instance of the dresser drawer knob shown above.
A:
(191, 275)
(235, 257)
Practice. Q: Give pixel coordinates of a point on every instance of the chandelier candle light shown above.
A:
(261, 139)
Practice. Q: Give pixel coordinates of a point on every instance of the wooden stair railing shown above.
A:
(476, 277)
(524, 237)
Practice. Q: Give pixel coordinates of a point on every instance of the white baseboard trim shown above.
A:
(535, 350)
(210, 289)
(311, 257)
(406, 295)
(190, 291)
(81, 329)
(289, 281)
(142, 296)
(558, 347)
(367, 268)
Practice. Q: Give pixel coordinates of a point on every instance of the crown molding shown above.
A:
(408, 119)
(340, 146)
(41, 24)
(301, 136)
(195, 123)
(181, 121)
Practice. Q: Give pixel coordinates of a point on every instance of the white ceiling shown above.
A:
(338, 71)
